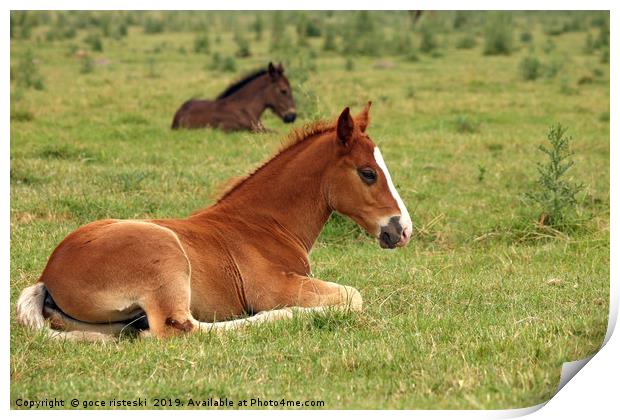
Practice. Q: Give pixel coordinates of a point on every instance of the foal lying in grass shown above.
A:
(246, 254)
(241, 105)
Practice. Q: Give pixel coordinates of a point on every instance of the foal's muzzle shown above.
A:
(393, 234)
(289, 117)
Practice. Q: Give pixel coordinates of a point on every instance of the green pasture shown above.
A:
(478, 312)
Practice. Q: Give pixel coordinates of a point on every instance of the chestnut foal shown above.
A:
(246, 254)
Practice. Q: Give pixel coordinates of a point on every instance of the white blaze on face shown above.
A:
(405, 220)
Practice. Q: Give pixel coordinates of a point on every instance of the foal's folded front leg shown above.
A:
(258, 127)
(292, 290)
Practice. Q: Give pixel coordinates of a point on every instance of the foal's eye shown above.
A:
(283, 91)
(368, 175)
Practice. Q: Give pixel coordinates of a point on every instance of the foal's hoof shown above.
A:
(351, 298)
(274, 315)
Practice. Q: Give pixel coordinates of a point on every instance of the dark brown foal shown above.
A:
(241, 105)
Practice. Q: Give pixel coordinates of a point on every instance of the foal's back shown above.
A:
(220, 114)
(193, 113)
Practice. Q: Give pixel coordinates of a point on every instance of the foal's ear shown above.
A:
(345, 127)
(272, 70)
(363, 118)
(280, 69)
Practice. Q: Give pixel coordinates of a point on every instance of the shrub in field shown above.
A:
(216, 62)
(498, 35)
(71, 50)
(428, 42)
(553, 68)
(121, 31)
(548, 46)
(279, 41)
(466, 42)
(308, 100)
(401, 42)
(93, 40)
(352, 45)
(605, 56)
(153, 26)
(202, 44)
(554, 28)
(27, 72)
(17, 94)
(219, 63)
(555, 195)
(602, 40)
(466, 124)
(313, 30)
(604, 117)
(574, 24)
(482, 170)
(598, 73)
(104, 23)
(243, 46)
(301, 68)
(460, 19)
(566, 88)
(586, 79)
(88, 65)
(598, 20)
(349, 65)
(229, 64)
(158, 48)
(21, 115)
(151, 69)
(300, 28)
(364, 22)
(302, 39)
(436, 54)
(50, 35)
(372, 45)
(361, 36)
(526, 37)
(412, 56)
(588, 46)
(530, 68)
(82, 20)
(329, 44)
(20, 25)
(277, 24)
(307, 27)
(25, 32)
(60, 32)
(12, 26)
(258, 27)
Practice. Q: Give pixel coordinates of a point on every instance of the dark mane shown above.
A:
(241, 83)
(296, 137)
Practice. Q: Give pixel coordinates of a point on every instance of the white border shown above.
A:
(592, 393)
(311, 5)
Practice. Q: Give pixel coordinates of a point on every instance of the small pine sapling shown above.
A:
(555, 195)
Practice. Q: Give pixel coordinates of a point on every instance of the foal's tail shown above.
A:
(30, 306)
(30, 313)
(176, 121)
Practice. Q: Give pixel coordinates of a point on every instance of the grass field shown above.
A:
(465, 317)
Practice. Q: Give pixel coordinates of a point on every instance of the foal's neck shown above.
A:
(286, 194)
(252, 97)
